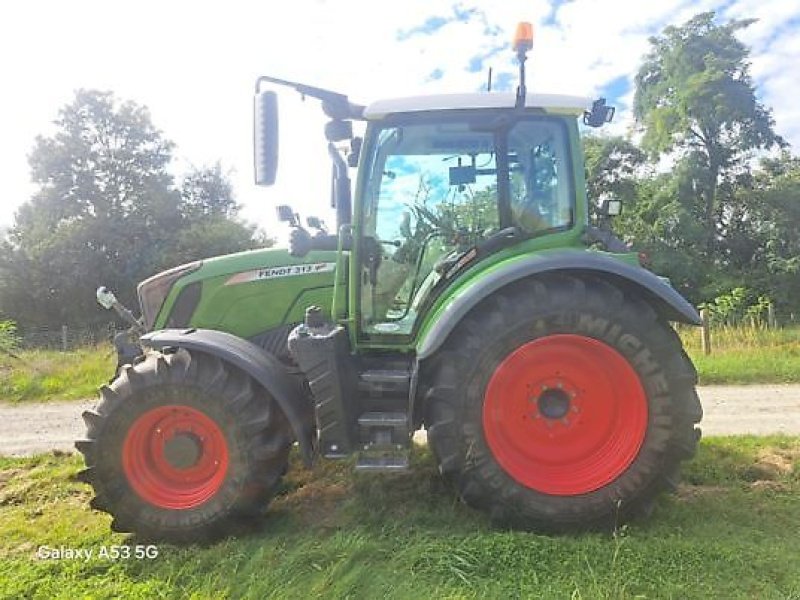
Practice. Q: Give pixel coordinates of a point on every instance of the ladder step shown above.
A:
(395, 420)
(387, 463)
(385, 380)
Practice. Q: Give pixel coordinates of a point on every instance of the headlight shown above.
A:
(153, 291)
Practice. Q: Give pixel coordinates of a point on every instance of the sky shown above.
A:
(194, 64)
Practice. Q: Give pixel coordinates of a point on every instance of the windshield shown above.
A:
(432, 194)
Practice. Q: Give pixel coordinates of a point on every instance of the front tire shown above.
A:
(562, 403)
(182, 447)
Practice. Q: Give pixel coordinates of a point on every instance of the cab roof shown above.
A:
(553, 103)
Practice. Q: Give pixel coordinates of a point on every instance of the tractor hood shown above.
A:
(244, 294)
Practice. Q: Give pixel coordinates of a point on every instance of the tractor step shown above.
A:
(383, 429)
(385, 442)
(385, 382)
(386, 463)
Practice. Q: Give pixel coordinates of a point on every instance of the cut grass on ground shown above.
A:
(730, 532)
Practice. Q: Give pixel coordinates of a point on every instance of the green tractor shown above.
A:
(463, 291)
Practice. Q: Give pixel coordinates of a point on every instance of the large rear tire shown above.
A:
(182, 447)
(562, 403)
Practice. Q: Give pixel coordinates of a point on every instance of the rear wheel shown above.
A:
(181, 447)
(562, 403)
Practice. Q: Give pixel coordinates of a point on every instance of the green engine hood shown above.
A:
(250, 292)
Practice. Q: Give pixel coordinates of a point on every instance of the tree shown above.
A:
(763, 238)
(694, 96)
(208, 192)
(211, 226)
(611, 165)
(107, 212)
(103, 211)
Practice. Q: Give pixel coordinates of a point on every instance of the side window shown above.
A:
(437, 194)
(540, 177)
(431, 195)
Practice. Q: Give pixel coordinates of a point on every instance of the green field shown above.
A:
(744, 355)
(731, 531)
(740, 356)
(45, 375)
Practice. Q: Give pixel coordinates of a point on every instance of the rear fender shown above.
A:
(661, 295)
(260, 365)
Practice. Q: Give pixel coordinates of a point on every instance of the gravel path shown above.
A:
(757, 409)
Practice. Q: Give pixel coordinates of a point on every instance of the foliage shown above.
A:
(612, 165)
(333, 533)
(708, 216)
(694, 95)
(732, 307)
(107, 212)
(9, 340)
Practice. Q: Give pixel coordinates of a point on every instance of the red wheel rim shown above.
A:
(175, 457)
(565, 414)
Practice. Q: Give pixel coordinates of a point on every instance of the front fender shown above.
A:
(668, 302)
(259, 364)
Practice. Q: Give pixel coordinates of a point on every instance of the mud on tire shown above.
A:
(562, 403)
(182, 448)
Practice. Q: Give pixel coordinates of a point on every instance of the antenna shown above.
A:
(523, 41)
(489, 82)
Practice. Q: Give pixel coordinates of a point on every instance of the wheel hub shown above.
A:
(553, 403)
(183, 450)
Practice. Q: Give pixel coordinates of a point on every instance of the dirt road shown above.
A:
(758, 409)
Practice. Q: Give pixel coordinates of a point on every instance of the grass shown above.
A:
(746, 355)
(730, 532)
(741, 355)
(45, 375)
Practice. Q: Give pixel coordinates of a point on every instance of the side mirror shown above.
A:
(286, 214)
(600, 114)
(265, 137)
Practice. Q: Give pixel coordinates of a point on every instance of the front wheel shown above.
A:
(181, 447)
(577, 406)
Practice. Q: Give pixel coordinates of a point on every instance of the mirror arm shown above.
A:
(335, 105)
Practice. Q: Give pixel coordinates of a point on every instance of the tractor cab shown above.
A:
(442, 188)
(443, 183)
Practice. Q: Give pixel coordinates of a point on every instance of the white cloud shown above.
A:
(194, 65)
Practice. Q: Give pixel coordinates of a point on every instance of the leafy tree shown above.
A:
(208, 192)
(695, 96)
(103, 211)
(612, 165)
(107, 212)
(209, 210)
(763, 236)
